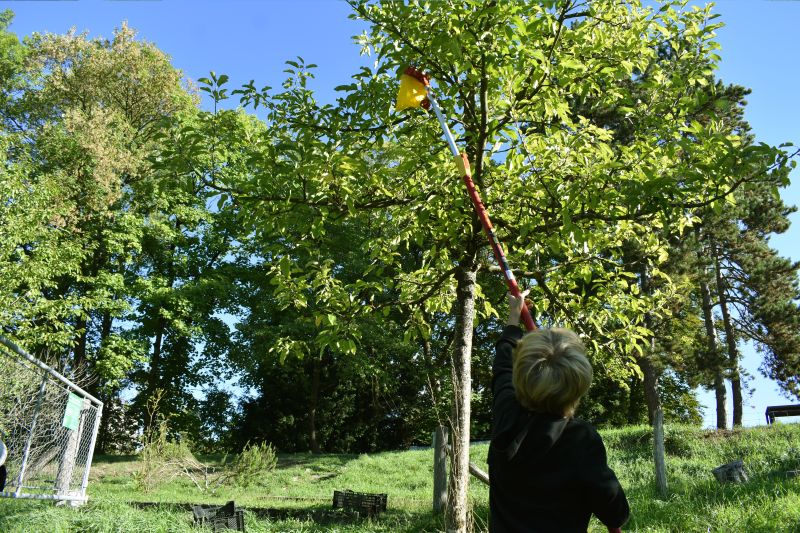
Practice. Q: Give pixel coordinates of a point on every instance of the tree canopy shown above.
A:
(290, 267)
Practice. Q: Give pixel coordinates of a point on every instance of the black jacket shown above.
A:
(547, 473)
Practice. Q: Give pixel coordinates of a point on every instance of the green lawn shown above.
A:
(301, 488)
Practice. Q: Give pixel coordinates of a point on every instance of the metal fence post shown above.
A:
(658, 453)
(441, 440)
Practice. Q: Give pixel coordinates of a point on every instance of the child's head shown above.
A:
(551, 371)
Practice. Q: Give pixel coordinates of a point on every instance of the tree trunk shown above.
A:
(733, 351)
(652, 396)
(651, 392)
(457, 509)
(712, 346)
(97, 389)
(658, 453)
(656, 417)
(105, 326)
(90, 270)
(312, 412)
(155, 359)
(154, 375)
(155, 378)
(635, 395)
(721, 396)
(79, 352)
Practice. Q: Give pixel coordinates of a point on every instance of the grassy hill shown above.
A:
(297, 495)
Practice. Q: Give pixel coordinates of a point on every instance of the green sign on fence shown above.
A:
(72, 414)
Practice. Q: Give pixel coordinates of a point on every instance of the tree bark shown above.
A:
(97, 389)
(457, 510)
(655, 415)
(154, 378)
(441, 439)
(312, 412)
(105, 326)
(712, 346)
(652, 396)
(79, 352)
(155, 358)
(651, 392)
(154, 374)
(90, 270)
(659, 456)
(721, 395)
(633, 400)
(733, 351)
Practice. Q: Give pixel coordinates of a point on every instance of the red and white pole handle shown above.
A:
(463, 166)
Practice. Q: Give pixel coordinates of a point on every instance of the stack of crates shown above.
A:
(219, 518)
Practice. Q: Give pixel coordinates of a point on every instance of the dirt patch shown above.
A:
(720, 434)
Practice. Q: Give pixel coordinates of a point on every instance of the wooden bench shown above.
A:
(775, 411)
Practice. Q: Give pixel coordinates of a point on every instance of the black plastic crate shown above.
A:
(363, 503)
(219, 518)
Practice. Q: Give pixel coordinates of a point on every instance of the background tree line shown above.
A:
(313, 275)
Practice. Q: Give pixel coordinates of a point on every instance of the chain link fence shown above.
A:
(49, 427)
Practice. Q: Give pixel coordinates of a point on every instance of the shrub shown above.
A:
(255, 461)
(678, 441)
(161, 460)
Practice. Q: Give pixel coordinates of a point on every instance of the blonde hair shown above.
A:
(551, 371)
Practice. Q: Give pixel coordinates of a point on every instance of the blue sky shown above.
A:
(251, 39)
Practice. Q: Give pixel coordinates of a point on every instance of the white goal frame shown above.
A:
(49, 427)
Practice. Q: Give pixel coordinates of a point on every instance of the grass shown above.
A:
(300, 490)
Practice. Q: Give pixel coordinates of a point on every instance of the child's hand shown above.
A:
(515, 304)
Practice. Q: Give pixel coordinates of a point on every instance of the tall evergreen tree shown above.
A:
(736, 262)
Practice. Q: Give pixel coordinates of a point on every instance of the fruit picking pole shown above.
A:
(463, 166)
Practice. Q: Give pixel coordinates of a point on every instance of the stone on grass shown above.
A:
(731, 472)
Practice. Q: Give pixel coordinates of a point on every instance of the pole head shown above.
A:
(413, 91)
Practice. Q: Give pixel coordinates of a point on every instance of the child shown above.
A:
(548, 471)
